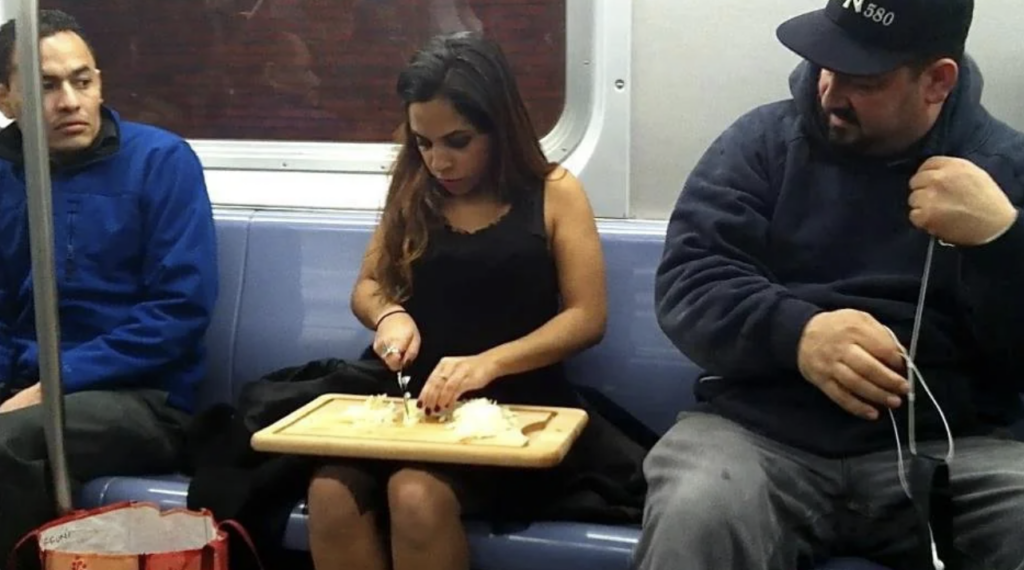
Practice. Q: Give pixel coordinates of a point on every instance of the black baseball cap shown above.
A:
(871, 37)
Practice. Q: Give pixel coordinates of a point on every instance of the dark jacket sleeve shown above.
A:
(715, 296)
(993, 276)
(7, 356)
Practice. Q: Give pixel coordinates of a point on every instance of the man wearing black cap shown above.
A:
(792, 272)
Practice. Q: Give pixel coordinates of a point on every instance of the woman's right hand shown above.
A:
(397, 341)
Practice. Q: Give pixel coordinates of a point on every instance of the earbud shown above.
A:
(935, 558)
(936, 561)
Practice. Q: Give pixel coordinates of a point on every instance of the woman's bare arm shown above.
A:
(367, 302)
(581, 276)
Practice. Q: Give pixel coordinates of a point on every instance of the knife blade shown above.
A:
(403, 384)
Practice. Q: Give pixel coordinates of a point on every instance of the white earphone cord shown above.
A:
(914, 377)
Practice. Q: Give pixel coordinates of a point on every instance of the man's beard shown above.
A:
(848, 135)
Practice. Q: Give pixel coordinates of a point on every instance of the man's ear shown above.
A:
(940, 80)
(99, 84)
(7, 106)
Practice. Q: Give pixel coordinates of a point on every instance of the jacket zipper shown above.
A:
(69, 266)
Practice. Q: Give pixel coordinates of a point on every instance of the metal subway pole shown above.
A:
(40, 219)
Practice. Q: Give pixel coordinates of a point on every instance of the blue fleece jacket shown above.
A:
(775, 225)
(135, 257)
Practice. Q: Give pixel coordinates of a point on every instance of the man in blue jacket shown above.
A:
(136, 275)
(791, 274)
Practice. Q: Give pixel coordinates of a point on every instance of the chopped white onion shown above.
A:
(478, 418)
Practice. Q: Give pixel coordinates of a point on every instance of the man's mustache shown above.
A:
(846, 114)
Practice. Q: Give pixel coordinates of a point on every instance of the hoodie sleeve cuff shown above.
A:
(788, 324)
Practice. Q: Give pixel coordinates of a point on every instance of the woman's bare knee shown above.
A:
(339, 496)
(422, 506)
(342, 528)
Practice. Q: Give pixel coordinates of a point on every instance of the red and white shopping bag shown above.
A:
(134, 536)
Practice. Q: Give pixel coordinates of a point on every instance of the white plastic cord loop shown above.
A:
(914, 377)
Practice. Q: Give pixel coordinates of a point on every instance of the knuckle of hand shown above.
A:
(849, 346)
(851, 327)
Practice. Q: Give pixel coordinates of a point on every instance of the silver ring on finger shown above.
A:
(389, 349)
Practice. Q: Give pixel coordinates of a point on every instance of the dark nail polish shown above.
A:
(419, 404)
(437, 409)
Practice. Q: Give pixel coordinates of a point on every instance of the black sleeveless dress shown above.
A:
(474, 291)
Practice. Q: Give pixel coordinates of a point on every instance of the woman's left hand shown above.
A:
(453, 377)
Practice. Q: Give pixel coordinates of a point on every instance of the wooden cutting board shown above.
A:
(318, 428)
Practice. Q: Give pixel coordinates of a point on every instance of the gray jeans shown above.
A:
(125, 432)
(721, 497)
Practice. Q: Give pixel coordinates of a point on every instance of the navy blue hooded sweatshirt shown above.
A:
(775, 225)
(135, 256)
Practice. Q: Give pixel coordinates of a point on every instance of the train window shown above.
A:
(301, 70)
(299, 94)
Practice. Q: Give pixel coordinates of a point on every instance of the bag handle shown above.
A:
(12, 556)
(207, 562)
(244, 534)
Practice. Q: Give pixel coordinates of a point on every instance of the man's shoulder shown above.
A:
(999, 149)
(777, 120)
(765, 132)
(152, 160)
(998, 138)
(149, 139)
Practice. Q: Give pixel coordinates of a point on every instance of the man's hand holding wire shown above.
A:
(853, 359)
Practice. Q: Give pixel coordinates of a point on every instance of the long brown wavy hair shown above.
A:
(472, 73)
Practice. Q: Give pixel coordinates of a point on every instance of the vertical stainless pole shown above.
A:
(40, 219)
